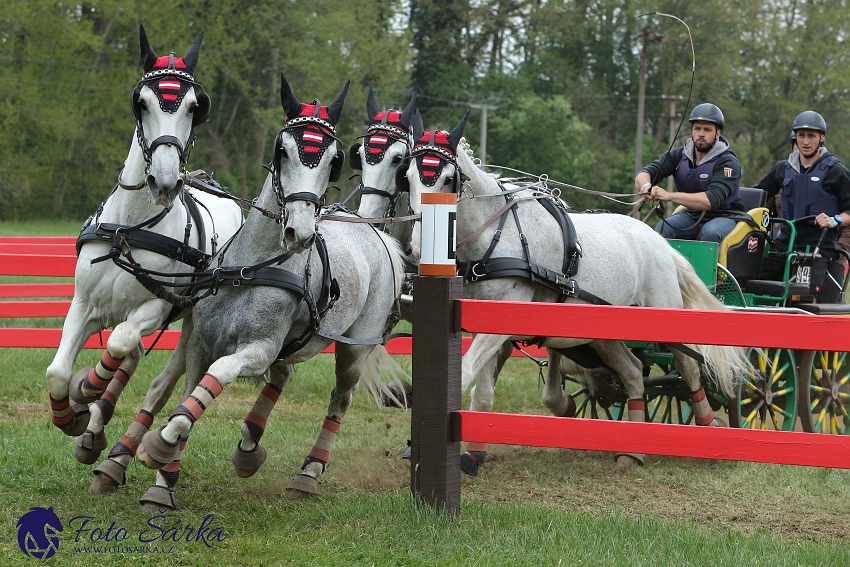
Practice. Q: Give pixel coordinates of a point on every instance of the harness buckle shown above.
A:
(476, 275)
(567, 285)
(242, 274)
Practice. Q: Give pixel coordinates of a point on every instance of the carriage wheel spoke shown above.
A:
(780, 410)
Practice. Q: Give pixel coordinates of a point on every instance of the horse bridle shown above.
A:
(336, 165)
(200, 116)
(397, 135)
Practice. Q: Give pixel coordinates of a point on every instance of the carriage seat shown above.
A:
(742, 250)
(826, 308)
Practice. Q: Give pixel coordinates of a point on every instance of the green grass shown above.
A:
(528, 506)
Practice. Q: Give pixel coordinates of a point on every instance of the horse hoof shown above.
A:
(155, 452)
(401, 394)
(80, 423)
(628, 459)
(248, 462)
(89, 446)
(158, 499)
(471, 460)
(75, 388)
(109, 475)
(407, 453)
(718, 423)
(301, 487)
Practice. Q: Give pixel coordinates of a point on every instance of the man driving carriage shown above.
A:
(707, 175)
(810, 182)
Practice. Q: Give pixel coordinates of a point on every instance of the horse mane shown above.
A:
(469, 168)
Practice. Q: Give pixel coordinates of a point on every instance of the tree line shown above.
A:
(559, 78)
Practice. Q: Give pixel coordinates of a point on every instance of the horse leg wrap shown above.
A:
(129, 443)
(255, 421)
(70, 417)
(171, 472)
(637, 412)
(202, 396)
(100, 376)
(110, 475)
(106, 402)
(703, 414)
(155, 452)
(321, 451)
(474, 457)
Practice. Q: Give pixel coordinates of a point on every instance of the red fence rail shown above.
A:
(437, 433)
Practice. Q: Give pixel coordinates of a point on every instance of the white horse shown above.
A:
(388, 141)
(143, 225)
(274, 308)
(620, 261)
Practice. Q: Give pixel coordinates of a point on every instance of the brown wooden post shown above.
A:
(435, 457)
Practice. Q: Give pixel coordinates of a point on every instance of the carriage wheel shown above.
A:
(668, 407)
(824, 394)
(594, 406)
(766, 398)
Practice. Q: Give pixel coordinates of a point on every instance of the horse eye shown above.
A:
(192, 108)
(396, 159)
(447, 180)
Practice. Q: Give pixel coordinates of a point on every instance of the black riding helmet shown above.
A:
(707, 112)
(809, 120)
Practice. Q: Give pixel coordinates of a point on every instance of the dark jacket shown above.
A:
(725, 178)
(836, 181)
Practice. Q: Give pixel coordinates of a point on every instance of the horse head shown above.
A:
(387, 142)
(168, 105)
(307, 154)
(433, 168)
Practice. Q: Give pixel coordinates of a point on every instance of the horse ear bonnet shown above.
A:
(354, 157)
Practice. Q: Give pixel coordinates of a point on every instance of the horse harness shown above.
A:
(563, 283)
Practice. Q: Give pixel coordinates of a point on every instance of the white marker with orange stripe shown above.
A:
(437, 240)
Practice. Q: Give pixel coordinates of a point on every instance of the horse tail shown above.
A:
(390, 393)
(726, 364)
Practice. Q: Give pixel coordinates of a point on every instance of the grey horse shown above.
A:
(286, 307)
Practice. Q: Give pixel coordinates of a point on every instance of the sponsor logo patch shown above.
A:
(727, 171)
(752, 244)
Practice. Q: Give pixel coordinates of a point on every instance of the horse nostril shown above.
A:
(289, 234)
(309, 242)
(179, 185)
(151, 181)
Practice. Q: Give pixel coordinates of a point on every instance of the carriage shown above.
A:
(811, 386)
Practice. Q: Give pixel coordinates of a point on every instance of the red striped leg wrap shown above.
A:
(109, 398)
(100, 376)
(61, 412)
(321, 451)
(703, 414)
(171, 471)
(263, 406)
(129, 443)
(637, 410)
(482, 447)
(202, 396)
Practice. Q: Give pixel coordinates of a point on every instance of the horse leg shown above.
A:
(481, 399)
(630, 370)
(559, 403)
(69, 416)
(162, 446)
(689, 370)
(92, 442)
(349, 364)
(109, 475)
(483, 350)
(249, 454)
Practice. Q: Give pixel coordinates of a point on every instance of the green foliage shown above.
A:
(67, 68)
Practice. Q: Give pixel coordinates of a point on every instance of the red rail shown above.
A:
(780, 447)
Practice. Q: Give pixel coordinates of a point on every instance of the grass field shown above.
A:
(527, 507)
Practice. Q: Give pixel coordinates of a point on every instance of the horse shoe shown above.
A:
(628, 459)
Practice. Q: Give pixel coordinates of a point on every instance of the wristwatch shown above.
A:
(838, 220)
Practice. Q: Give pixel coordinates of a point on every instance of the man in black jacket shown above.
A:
(707, 176)
(812, 182)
